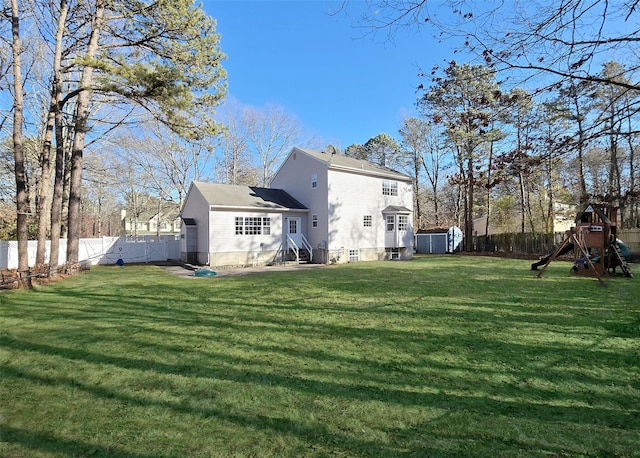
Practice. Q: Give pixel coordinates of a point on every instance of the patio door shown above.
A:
(293, 230)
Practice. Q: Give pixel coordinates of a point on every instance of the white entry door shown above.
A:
(391, 231)
(293, 229)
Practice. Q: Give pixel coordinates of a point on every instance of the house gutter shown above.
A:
(390, 175)
(263, 209)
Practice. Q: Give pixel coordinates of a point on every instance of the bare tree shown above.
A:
(46, 191)
(272, 132)
(557, 40)
(132, 185)
(22, 198)
(234, 164)
(170, 162)
(424, 151)
(81, 127)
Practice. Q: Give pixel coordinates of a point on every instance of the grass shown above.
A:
(439, 356)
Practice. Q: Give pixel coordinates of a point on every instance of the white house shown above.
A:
(319, 207)
(150, 223)
(226, 225)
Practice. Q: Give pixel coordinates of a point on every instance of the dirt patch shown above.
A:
(189, 271)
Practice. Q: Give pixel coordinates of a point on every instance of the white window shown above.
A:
(403, 222)
(293, 226)
(314, 180)
(354, 255)
(252, 225)
(389, 188)
(367, 221)
(314, 220)
(391, 223)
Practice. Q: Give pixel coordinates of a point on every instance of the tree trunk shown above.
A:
(633, 215)
(22, 197)
(550, 228)
(523, 202)
(584, 197)
(488, 204)
(56, 202)
(44, 188)
(66, 180)
(80, 132)
(417, 216)
(468, 207)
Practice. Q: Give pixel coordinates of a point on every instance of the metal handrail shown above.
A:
(292, 245)
(307, 245)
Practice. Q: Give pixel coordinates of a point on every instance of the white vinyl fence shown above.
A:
(105, 250)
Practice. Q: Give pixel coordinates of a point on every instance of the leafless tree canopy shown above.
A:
(553, 40)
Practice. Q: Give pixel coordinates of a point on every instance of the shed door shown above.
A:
(192, 239)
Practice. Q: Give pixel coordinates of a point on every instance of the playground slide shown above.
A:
(545, 259)
(625, 254)
(625, 251)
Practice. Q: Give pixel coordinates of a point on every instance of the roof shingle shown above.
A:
(226, 195)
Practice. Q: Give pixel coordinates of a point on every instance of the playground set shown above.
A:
(595, 244)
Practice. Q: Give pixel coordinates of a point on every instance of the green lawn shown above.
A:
(439, 356)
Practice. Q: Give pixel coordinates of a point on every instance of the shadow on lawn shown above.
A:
(371, 380)
(313, 432)
(55, 445)
(498, 375)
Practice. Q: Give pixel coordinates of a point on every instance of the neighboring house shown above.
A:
(564, 216)
(150, 223)
(328, 207)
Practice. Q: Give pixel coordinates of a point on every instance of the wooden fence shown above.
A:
(541, 244)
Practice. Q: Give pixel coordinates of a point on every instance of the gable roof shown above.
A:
(396, 209)
(246, 197)
(350, 164)
(592, 208)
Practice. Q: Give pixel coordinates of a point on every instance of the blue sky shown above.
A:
(344, 85)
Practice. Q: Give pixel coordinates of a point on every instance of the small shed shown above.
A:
(438, 240)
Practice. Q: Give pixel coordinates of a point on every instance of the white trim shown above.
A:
(258, 209)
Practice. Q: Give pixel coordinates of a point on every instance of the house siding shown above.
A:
(227, 248)
(342, 198)
(362, 194)
(294, 176)
(193, 208)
